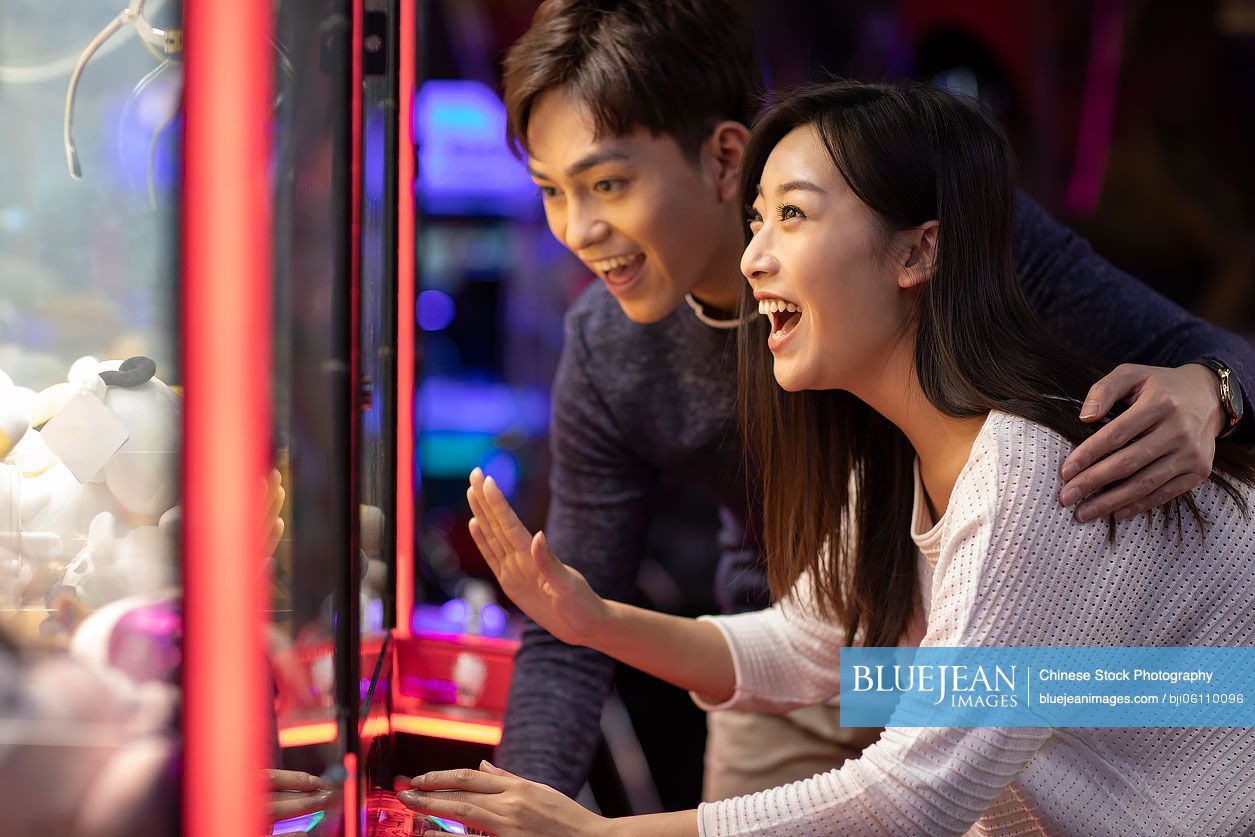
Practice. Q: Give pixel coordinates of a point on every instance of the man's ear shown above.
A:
(725, 147)
(920, 260)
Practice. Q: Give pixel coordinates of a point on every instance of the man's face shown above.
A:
(639, 213)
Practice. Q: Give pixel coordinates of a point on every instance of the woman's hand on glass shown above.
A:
(498, 802)
(555, 596)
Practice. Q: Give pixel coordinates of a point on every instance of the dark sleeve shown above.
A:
(598, 516)
(1104, 313)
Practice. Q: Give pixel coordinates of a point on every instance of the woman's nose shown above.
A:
(757, 261)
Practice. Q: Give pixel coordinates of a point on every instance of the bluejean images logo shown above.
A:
(1055, 687)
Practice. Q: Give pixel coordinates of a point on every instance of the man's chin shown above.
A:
(648, 310)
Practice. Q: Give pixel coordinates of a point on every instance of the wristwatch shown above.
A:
(1230, 395)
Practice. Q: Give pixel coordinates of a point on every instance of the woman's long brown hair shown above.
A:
(837, 476)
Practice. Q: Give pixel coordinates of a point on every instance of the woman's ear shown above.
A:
(725, 147)
(920, 260)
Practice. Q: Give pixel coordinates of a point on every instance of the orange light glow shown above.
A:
(376, 727)
(405, 323)
(303, 735)
(476, 732)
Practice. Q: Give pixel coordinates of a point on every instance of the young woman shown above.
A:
(911, 417)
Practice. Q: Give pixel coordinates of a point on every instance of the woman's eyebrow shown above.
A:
(795, 186)
(800, 186)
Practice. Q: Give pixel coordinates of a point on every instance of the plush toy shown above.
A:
(89, 471)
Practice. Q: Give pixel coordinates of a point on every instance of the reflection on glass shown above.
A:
(90, 414)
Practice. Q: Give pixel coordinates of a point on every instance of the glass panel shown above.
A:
(90, 416)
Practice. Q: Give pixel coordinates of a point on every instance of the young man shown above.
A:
(632, 117)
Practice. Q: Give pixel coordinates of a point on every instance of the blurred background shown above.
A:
(1133, 122)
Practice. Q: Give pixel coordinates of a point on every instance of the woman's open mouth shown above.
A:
(784, 317)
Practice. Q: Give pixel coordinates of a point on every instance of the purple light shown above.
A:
(435, 310)
(454, 612)
(504, 469)
(492, 620)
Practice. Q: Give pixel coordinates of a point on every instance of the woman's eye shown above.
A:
(788, 211)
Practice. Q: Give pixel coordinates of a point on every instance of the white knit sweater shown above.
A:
(1010, 567)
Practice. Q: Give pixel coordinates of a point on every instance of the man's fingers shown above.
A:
(1172, 489)
(1122, 464)
(1106, 440)
(1136, 488)
(1109, 389)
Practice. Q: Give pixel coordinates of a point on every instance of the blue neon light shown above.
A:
(464, 164)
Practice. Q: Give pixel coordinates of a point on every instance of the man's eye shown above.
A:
(609, 185)
(547, 191)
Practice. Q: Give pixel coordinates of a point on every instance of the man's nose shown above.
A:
(584, 227)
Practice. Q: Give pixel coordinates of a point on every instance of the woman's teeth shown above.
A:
(768, 307)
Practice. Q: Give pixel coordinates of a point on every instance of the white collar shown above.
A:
(699, 311)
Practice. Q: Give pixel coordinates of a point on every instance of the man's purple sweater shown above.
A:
(634, 405)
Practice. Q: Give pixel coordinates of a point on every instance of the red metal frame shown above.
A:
(225, 315)
(405, 321)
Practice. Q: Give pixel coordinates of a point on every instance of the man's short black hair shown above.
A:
(674, 67)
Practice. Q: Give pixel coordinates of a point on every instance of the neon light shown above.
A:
(354, 811)
(376, 727)
(1098, 109)
(299, 825)
(465, 166)
(475, 732)
(225, 323)
(405, 322)
(320, 732)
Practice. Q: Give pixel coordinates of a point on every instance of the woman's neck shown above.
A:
(943, 443)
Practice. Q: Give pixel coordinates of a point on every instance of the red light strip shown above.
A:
(225, 317)
(405, 321)
(353, 812)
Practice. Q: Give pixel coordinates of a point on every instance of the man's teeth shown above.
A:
(607, 265)
(775, 306)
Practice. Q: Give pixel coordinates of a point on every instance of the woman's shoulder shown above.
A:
(1014, 464)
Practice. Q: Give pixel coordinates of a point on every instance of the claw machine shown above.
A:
(198, 414)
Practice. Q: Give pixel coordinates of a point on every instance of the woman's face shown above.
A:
(819, 265)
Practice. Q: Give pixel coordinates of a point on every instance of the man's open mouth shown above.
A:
(619, 269)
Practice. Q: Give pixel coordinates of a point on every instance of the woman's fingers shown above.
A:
(457, 805)
(463, 779)
(550, 567)
(490, 555)
(483, 511)
(504, 519)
